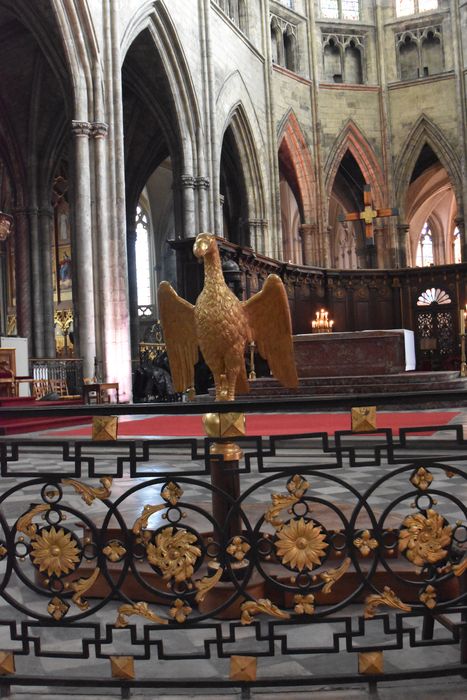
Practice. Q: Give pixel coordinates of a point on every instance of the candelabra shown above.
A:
(322, 324)
(462, 323)
(64, 318)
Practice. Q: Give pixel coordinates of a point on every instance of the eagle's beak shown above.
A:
(200, 247)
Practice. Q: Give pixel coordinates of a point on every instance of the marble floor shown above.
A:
(337, 477)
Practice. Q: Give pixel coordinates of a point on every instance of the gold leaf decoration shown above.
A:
(172, 493)
(331, 576)
(387, 597)
(238, 548)
(25, 524)
(57, 608)
(55, 551)
(262, 605)
(279, 502)
(205, 584)
(425, 538)
(114, 550)
(3, 551)
(82, 586)
(174, 553)
(90, 493)
(141, 609)
(304, 604)
(298, 486)
(365, 543)
(460, 568)
(300, 544)
(180, 610)
(421, 479)
(142, 521)
(428, 597)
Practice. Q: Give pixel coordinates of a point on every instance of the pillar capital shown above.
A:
(187, 182)
(79, 128)
(99, 130)
(202, 183)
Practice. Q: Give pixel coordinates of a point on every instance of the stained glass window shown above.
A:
(143, 272)
(330, 9)
(424, 255)
(457, 245)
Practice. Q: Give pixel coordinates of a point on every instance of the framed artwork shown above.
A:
(8, 359)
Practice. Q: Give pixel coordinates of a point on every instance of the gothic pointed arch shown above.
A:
(425, 132)
(353, 140)
(292, 141)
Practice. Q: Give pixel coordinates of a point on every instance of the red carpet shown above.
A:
(268, 424)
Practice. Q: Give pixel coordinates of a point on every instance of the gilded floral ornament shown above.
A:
(174, 553)
(180, 610)
(238, 548)
(300, 544)
(297, 486)
(25, 524)
(428, 597)
(57, 608)
(55, 551)
(142, 522)
(365, 543)
(388, 598)
(82, 586)
(421, 479)
(331, 576)
(3, 551)
(262, 605)
(172, 493)
(425, 538)
(114, 550)
(304, 604)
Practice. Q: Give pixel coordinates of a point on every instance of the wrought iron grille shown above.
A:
(151, 563)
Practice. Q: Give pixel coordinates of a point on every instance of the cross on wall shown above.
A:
(368, 215)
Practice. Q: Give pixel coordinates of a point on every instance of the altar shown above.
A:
(361, 353)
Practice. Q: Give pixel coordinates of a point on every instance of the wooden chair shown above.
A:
(60, 387)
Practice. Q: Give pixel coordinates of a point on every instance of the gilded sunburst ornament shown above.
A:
(174, 553)
(300, 544)
(55, 551)
(425, 537)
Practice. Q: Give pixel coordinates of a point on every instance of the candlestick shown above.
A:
(322, 323)
(462, 322)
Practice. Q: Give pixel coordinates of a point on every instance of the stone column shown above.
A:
(187, 184)
(37, 348)
(83, 253)
(309, 233)
(379, 232)
(133, 289)
(46, 248)
(460, 223)
(23, 275)
(402, 239)
(202, 187)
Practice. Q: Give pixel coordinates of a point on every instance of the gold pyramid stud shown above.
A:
(243, 668)
(370, 662)
(363, 419)
(123, 667)
(7, 663)
(232, 424)
(104, 428)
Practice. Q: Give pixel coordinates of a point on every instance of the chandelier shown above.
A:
(6, 222)
(322, 324)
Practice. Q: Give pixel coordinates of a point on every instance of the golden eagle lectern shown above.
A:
(221, 326)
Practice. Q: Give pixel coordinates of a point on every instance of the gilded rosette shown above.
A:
(425, 539)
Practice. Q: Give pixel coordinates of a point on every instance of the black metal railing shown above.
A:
(177, 568)
(68, 370)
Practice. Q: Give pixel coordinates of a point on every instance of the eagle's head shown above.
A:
(203, 243)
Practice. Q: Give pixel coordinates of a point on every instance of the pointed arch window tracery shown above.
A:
(424, 256)
(412, 7)
(143, 257)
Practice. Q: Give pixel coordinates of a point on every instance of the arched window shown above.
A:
(432, 55)
(353, 64)
(408, 59)
(340, 9)
(290, 48)
(143, 257)
(277, 47)
(412, 7)
(456, 245)
(332, 62)
(424, 255)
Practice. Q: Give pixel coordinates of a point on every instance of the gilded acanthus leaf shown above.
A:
(425, 538)
(142, 522)
(460, 568)
(263, 605)
(25, 524)
(141, 609)
(332, 575)
(205, 584)
(172, 493)
(82, 586)
(388, 598)
(279, 502)
(90, 493)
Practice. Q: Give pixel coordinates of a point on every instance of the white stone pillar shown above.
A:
(46, 249)
(187, 185)
(82, 251)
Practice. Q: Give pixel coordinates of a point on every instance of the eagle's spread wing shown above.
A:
(178, 325)
(269, 318)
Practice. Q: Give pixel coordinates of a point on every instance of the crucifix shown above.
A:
(368, 215)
